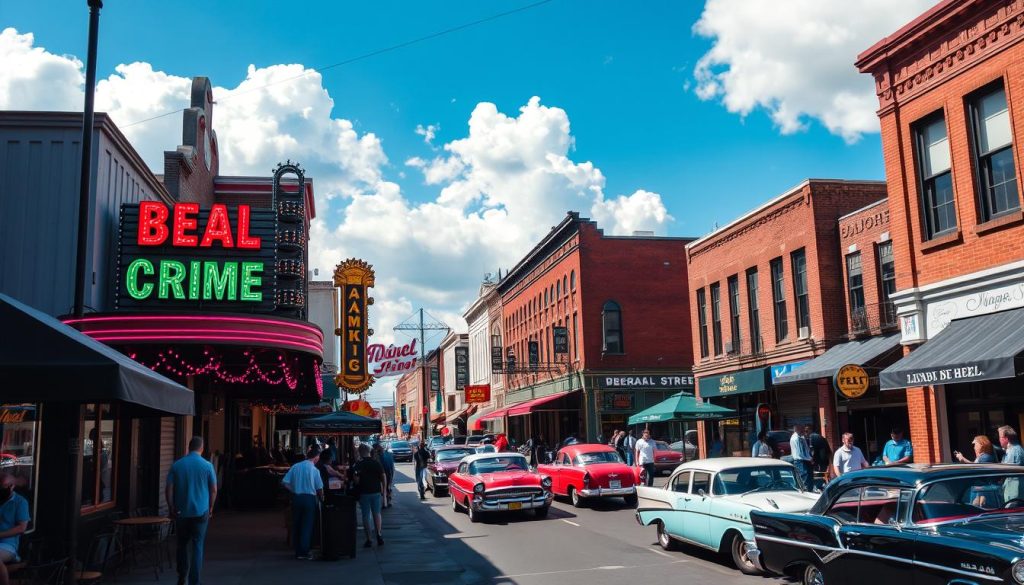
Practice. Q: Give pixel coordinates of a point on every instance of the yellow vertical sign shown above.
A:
(354, 277)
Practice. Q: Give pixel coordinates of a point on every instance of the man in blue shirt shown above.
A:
(191, 492)
(307, 487)
(13, 522)
(1013, 455)
(387, 460)
(800, 451)
(898, 450)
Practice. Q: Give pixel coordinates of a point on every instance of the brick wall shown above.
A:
(862, 232)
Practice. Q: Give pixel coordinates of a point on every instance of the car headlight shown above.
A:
(478, 489)
(546, 483)
(1018, 572)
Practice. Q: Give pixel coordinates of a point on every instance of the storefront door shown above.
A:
(980, 409)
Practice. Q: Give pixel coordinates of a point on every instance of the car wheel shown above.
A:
(738, 550)
(437, 494)
(813, 576)
(541, 512)
(474, 516)
(631, 500)
(577, 500)
(664, 539)
(455, 505)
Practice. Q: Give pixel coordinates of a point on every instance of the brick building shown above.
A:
(763, 293)
(409, 397)
(594, 331)
(454, 359)
(951, 96)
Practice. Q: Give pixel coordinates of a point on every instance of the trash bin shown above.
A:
(338, 522)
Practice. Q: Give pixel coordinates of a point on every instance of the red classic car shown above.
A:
(665, 459)
(582, 472)
(443, 463)
(492, 482)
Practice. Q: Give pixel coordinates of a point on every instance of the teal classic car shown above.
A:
(707, 503)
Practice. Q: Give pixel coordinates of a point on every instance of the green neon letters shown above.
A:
(132, 278)
(199, 280)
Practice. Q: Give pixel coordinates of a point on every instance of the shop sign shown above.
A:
(851, 381)
(680, 380)
(992, 300)
(223, 258)
(950, 375)
(354, 278)
(10, 416)
(477, 394)
(740, 382)
(618, 401)
(864, 224)
(435, 381)
(764, 419)
(561, 339)
(462, 366)
(784, 369)
(391, 360)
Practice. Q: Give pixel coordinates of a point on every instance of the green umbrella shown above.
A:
(681, 407)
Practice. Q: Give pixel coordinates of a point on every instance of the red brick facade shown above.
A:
(865, 236)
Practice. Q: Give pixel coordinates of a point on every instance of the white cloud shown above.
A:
(794, 59)
(428, 132)
(24, 69)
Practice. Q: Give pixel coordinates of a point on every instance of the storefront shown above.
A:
(741, 391)
(617, 396)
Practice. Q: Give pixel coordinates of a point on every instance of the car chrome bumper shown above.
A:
(607, 492)
(753, 555)
(524, 503)
(637, 516)
(440, 481)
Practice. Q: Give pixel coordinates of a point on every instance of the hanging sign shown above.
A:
(435, 381)
(354, 277)
(182, 256)
(393, 360)
(462, 367)
(852, 381)
(478, 394)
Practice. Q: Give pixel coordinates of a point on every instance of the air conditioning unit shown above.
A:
(804, 332)
(731, 348)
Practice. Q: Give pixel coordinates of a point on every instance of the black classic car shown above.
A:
(904, 524)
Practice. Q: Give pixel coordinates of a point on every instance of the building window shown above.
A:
(734, 312)
(451, 403)
(886, 271)
(558, 289)
(572, 281)
(611, 318)
(702, 318)
(565, 284)
(552, 291)
(803, 303)
(855, 286)
(993, 152)
(716, 317)
(98, 454)
(575, 348)
(935, 176)
(19, 444)
(779, 300)
(546, 298)
(753, 314)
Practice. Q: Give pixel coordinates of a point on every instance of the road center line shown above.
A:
(570, 522)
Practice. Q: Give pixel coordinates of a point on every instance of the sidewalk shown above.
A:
(249, 548)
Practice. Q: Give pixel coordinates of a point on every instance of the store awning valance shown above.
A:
(493, 414)
(739, 382)
(44, 360)
(987, 347)
(529, 406)
(857, 352)
(681, 407)
(340, 423)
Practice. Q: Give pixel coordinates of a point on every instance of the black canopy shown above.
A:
(860, 352)
(340, 423)
(987, 347)
(44, 360)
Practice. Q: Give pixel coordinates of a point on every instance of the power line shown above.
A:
(363, 56)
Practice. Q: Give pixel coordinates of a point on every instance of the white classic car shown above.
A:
(707, 503)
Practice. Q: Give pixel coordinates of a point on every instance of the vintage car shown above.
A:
(400, 450)
(920, 524)
(444, 462)
(665, 458)
(708, 503)
(584, 472)
(492, 482)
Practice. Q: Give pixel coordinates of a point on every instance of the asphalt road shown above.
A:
(592, 545)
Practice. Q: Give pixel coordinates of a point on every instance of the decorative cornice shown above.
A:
(755, 223)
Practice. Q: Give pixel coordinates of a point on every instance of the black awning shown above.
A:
(44, 360)
(857, 352)
(974, 349)
(340, 423)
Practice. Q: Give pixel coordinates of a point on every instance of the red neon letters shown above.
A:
(153, 230)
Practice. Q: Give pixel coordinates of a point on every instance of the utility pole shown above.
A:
(422, 327)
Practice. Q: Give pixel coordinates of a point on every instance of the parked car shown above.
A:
(475, 440)
(708, 503)
(665, 458)
(491, 482)
(486, 448)
(460, 440)
(400, 450)
(444, 462)
(688, 446)
(900, 524)
(437, 442)
(585, 472)
(779, 441)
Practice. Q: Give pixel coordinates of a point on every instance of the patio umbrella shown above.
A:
(340, 423)
(681, 407)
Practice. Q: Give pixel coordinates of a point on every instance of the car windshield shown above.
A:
(453, 454)
(965, 497)
(493, 464)
(597, 457)
(486, 449)
(748, 479)
(399, 445)
(661, 446)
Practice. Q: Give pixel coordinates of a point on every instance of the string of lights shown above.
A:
(278, 372)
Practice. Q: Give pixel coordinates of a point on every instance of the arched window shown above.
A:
(572, 281)
(552, 294)
(565, 284)
(558, 289)
(611, 320)
(546, 297)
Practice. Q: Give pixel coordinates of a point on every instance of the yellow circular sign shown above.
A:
(852, 381)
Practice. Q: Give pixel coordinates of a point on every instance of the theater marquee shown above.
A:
(354, 278)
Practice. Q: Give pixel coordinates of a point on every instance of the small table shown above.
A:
(135, 524)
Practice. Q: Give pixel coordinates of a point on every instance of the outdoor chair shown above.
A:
(94, 568)
(49, 573)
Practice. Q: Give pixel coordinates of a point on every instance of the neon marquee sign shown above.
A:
(181, 255)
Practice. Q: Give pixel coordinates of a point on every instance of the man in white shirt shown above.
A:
(848, 457)
(304, 482)
(645, 456)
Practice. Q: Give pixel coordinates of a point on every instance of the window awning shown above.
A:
(461, 414)
(530, 405)
(987, 347)
(740, 382)
(44, 360)
(493, 414)
(857, 352)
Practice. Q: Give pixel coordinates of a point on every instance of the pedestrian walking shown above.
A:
(307, 489)
(629, 446)
(761, 447)
(422, 458)
(645, 456)
(370, 479)
(897, 450)
(190, 492)
(848, 457)
(387, 461)
(800, 450)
